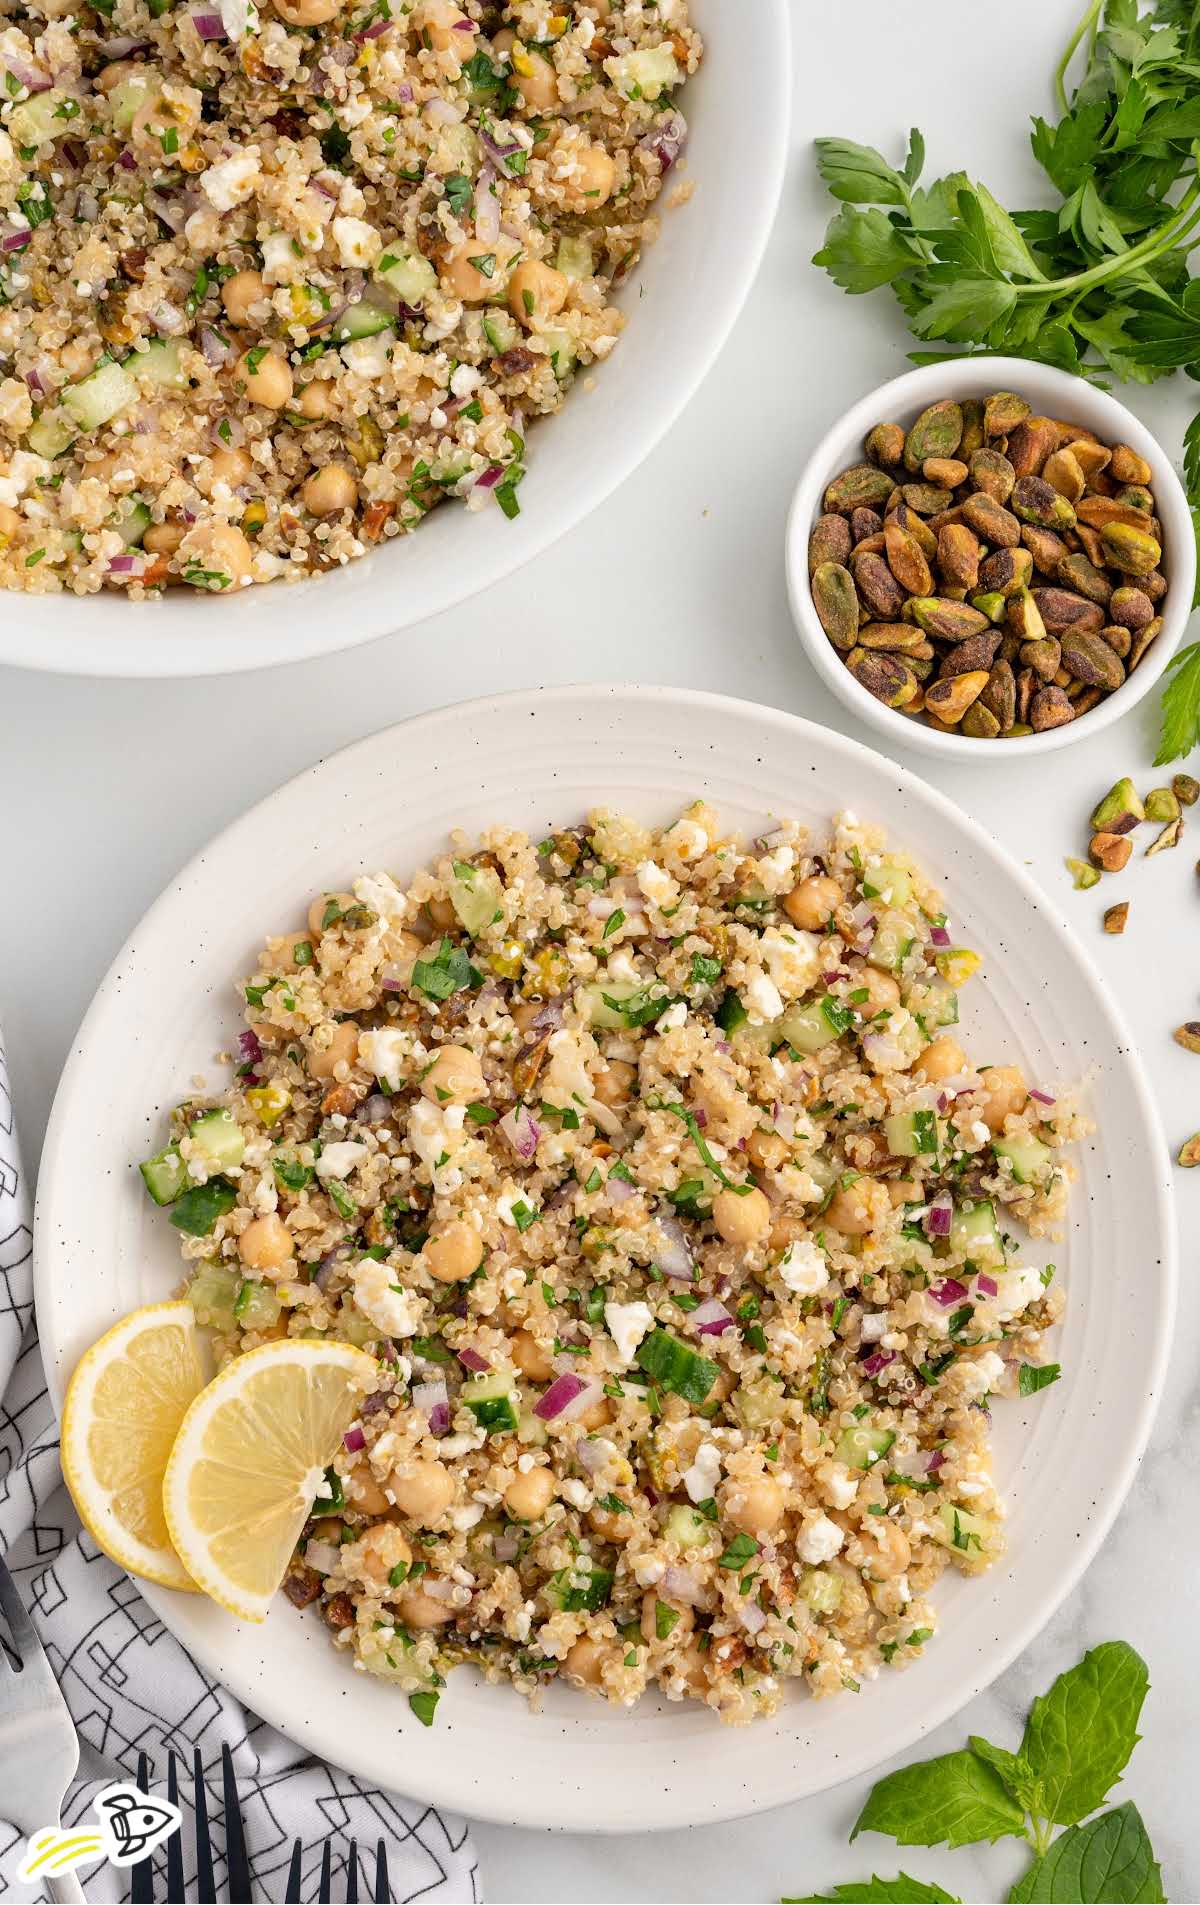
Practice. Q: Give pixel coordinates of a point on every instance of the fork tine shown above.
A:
(352, 1875)
(22, 1629)
(292, 1894)
(236, 1862)
(383, 1895)
(175, 1842)
(326, 1885)
(141, 1878)
(206, 1887)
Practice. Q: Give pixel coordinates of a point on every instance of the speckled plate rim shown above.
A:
(579, 1765)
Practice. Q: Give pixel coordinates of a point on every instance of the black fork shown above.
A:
(381, 1892)
(237, 1865)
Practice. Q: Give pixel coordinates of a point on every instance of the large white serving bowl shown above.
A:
(682, 302)
(1065, 1457)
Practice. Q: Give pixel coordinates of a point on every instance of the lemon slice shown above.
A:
(248, 1461)
(124, 1405)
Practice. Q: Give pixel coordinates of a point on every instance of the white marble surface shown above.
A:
(107, 788)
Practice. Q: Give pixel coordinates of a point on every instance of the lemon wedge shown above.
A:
(249, 1459)
(124, 1405)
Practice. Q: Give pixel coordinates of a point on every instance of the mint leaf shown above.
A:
(1012, 1770)
(1111, 1858)
(1079, 1736)
(957, 1798)
(902, 1889)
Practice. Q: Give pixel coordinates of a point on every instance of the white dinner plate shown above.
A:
(1065, 1457)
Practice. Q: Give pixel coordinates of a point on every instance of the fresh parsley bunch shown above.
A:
(1078, 1740)
(1103, 284)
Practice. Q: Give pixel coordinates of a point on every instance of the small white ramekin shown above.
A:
(1051, 393)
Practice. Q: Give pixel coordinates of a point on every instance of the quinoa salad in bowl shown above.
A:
(276, 281)
(649, 1167)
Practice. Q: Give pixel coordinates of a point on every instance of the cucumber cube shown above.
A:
(888, 883)
(257, 1305)
(475, 896)
(493, 1402)
(1031, 1160)
(686, 1528)
(197, 1210)
(213, 1292)
(218, 1135)
(99, 397)
(973, 1231)
(862, 1446)
(406, 273)
(912, 1134)
(165, 1175)
(808, 1028)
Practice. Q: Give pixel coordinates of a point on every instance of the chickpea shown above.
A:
(330, 1529)
(539, 86)
(614, 1084)
(904, 1190)
(442, 914)
(585, 1662)
(230, 466)
(364, 1492)
(330, 490)
(811, 904)
(455, 1076)
(755, 1507)
(1004, 1091)
(319, 908)
(423, 1491)
(530, 1358)
(597, 1417)
(766, 1150)
(890, 1553)
(163, 539)
(238, 293)
(266, 377)
(536, 291)
(611, 1526)
(856, 1208)
(307, 12)
(883, 993)
(684, 1625)
(464, 280)
(116, 73)
(373, 1556)
(316, 399)
(341, 1050)
(527, 1497)
(442, 25)
(692, 1667)
(77, 358)
(221, 549)
(416, 1607)
(266, 1243)
(10, 523)
(940, 1060)
(741, 1219)
(453, 1253)
(591, 180)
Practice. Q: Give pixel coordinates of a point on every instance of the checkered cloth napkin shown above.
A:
(132, 1688)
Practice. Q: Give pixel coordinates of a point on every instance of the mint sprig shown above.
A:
(1077, 1742)
(903, 1890)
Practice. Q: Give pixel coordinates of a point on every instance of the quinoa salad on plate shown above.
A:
(691, 1243)
(276, 280)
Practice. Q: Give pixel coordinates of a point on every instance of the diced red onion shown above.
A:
(372, 32)
(862, 915)
(505, 1546)
(522, 1131)
(125, 565)
(122, 47)
(432, 1398)
(986, 1286)
(939, 1216)
(682, 1584)
(935, 1462)
(711, 1318)
(321, 1556)
(173, 212)
(471, 1359)
(701, 1116)
(463, 26)
(564, 1390)
(16, 241)
(74, 153)
(592, 1456)
(326, 1267)
(326, 187)
(751, 1616)
(829, 978)
(30, 77)
(487, 205)
(618, 1191)
(948, 1293)
(498, 154)
(213, 346)
(210, 26)
(676, 1260)
(878, 1360)
(127, 160)
(249, 1047)
(375, 1110)
(943, 1103)
(35, 383)
(404, 94)
(488, 479)
(666, 139)
(723, 1045)
(441, 112)
(938, 936)
(379, 1398)
(1043, 1098)
(354, 1440)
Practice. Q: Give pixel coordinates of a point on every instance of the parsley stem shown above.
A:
(1089, 24)
(1185, 218)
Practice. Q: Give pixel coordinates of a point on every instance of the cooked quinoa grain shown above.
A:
(276, 281)
(652, 1169)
